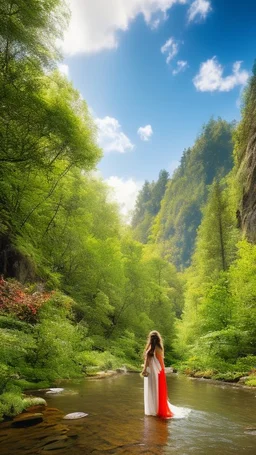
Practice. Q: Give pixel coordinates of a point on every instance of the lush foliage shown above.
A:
(24, 304)
(80, 291)
(77, 292)
(178, 215)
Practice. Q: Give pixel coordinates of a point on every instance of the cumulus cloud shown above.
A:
(181, 66)
(124, 192)
(210, 77)
(64, 69)
(170, 48)
(145, 132)
(199, 9)
(111, 137)
(94, 24)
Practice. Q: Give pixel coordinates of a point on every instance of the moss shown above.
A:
(33, 401)
(23, 384)
(11, 404)
(251, 381)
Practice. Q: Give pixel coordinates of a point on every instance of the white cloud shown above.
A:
(199, 9)
(170, 48)
(94, 23)
(64, 69)
(124, 192)
(145, 132)
(181, 66)
(210, 77)
(110, 136)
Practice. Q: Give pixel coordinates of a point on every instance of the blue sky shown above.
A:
(153, 71)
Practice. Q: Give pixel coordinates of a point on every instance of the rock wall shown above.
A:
(248, 208)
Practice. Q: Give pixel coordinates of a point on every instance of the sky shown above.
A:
(152, 73)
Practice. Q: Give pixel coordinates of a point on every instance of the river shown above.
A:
(219, 423)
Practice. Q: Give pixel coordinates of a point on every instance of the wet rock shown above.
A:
(104, 374)
(53, 410)
(243, 379)
(57, 445)
(72, 434)
(122, 370)
(27, 420)
(55, 390)
(52, 439)
(168, 370)
(36, 408)
(75, 415)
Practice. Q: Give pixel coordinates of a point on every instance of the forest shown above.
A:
(79, 288)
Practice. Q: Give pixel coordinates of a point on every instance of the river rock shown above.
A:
(36, 408)
(122, 370)
(27, 419)
(242, 379)
(55, 390)
(57, 445)
(104, 374)
(168, 370)
(75, 415)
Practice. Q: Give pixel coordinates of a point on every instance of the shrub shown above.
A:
(11, 404)
(18, 301)
(246, 364)
(93, 360)
(251, 381)
(228, 377)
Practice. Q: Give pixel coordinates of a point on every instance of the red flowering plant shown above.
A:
(17, 300)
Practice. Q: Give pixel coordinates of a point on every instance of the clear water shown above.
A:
(217, 424)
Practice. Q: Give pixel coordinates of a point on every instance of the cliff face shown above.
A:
(248, 206)
(245, 152)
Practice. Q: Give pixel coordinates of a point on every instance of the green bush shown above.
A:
(246, 364)
(94, 360)
(11, 404)
(228, 377)
(23, 384)
(251, 381)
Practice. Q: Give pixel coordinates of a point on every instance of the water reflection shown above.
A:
(155, 434)
(116, 423)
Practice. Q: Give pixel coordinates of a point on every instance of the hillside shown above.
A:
(180, 210)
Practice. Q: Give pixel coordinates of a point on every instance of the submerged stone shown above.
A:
(27, 419)
(36, 408)
(75, 415)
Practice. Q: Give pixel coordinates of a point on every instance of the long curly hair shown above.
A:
(154, 340)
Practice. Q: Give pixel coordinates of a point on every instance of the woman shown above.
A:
(155, 387)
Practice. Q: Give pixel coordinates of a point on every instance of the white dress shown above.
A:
(156, 401)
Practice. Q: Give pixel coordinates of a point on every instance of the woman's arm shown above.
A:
(146, 364)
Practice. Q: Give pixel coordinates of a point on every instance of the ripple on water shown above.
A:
(116, 424)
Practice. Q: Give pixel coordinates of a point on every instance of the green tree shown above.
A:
(186, 192)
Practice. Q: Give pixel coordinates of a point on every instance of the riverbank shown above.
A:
(219, 382)
(14, 402)
(238, 379)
